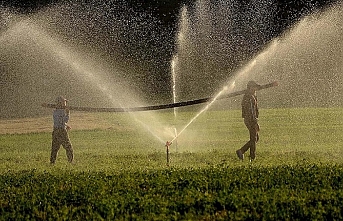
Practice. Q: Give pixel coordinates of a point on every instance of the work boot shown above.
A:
(240, 155)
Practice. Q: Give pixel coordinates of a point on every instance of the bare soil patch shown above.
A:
(78, 121)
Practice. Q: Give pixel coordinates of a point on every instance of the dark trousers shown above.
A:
(253, 128)
(60, 137)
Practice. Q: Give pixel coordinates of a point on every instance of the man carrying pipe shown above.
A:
(250, 115)
(159, 107)
(60, 133)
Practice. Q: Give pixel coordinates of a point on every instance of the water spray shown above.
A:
(173, 72)
(175, 140)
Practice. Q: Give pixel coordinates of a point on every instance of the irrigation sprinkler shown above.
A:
(158, 107)
(168, 144)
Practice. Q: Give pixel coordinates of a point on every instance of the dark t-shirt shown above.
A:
(249, 107)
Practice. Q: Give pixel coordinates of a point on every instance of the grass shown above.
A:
(120, 171)
(114, 142)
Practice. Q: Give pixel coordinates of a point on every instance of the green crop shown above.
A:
(300, 192)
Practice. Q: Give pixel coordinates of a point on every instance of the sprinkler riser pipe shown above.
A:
(167, 150)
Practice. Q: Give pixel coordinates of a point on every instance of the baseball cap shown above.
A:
(60, 99)
(252, 84)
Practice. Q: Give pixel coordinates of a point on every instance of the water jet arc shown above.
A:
(158, 107)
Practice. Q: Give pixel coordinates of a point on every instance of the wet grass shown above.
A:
(287, 136)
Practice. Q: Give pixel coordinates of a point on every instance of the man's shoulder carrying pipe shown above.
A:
(157, 107)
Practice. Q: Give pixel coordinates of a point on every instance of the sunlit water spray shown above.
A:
(80, 68)
(214, 39)
(173, 72)
(204, 109)
(241, 76)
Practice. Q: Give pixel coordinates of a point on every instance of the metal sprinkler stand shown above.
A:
(167, 147)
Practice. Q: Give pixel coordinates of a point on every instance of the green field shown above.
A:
(120, 170)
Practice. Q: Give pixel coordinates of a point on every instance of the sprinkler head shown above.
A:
(168, 144)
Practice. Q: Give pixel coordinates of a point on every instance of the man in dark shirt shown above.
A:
(250, 115)
(60, 133)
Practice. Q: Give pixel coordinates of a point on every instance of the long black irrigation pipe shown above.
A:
(157, 107)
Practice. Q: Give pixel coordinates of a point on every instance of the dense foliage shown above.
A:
(287, 192)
